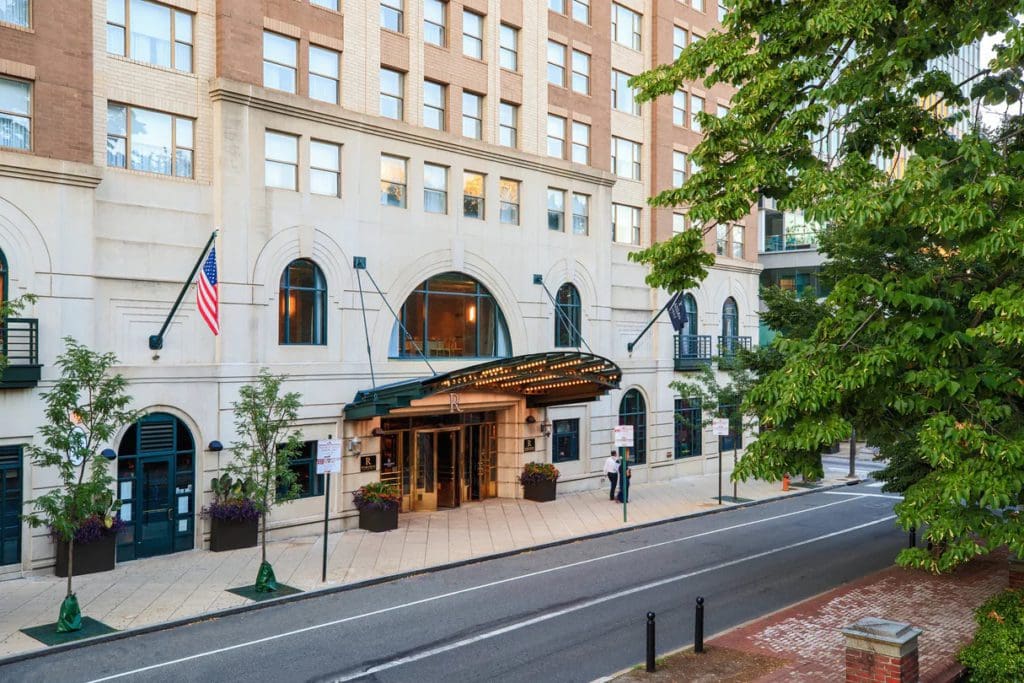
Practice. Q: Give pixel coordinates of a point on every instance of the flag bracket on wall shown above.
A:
(206, 294)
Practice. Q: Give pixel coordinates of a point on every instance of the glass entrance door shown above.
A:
(436, 469)
(425, 493)
(156, 514)
(446, 450)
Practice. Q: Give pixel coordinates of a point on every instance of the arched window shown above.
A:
(302, 317)
(730, 319)
(690, 306)
(451, 316)
(567, 316)
(3, 279)
(633, 411)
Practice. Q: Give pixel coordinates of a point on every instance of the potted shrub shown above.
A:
(378, 504)
(95, 540)
(234, 517)
(538, 480)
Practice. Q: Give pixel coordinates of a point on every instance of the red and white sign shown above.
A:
(328, 456)
(624, 436)
(720, 426)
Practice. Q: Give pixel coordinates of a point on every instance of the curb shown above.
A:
(330, 590)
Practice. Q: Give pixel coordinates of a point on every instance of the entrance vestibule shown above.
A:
(441, 461)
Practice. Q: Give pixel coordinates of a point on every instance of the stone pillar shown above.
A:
(1016, 572)
(881, 651)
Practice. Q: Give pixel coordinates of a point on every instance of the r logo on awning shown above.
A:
(453, 403)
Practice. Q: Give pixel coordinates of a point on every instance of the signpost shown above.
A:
(328, 459)
(624, 442)
(720, 428)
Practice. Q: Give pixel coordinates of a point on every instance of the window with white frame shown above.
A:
(392, 15)
(434, 96)
(678, 168)
(393, 180)
(679, 108)
(324, 168)
(150, 141)
(580, 213)
(508, 191)
(581, 72)
(472, 115)
(148, 32)
(722, 11)
(280, 60)
(580, 142)
(328, 4)
(435, 188)
(508, 47)
(556, 209)
(557, 6)
(473, 194)
(556, 64)
(281, 160)
(623, 96)
(697, 5)
(626, 224)
(581, 11)
(721, 239)
(678, 223)
(435, 22)
(737, 241)
(15, 12)
(556, 136)
(16, 115)
(721, 111)
(678, 41)
(392, 93)
(508, 124)
(472, 34)
(626, 158)
(696, 105)
(625, 26)
(324, 66)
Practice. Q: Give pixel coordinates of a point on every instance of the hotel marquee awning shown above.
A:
(545, 379)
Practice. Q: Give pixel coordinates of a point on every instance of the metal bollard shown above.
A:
(698, 627)
(650, 642)
(912, 541)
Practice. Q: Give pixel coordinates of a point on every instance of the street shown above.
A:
(569, 613)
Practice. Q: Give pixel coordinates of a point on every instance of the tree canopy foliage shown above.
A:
(920, 344)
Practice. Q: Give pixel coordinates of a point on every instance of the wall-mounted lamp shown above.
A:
(215, 446)
(109, 453)
(530, 419)
(545, 429)
(355, 446)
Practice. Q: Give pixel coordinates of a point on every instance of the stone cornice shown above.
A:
(282, 103)
(41, 169)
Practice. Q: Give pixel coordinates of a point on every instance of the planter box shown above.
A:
(378, 520)
(227, 534)
(90, 558)
(541, 492)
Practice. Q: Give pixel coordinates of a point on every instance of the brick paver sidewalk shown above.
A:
(808, 634)
(193, 583)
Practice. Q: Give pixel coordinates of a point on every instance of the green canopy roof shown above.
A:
(545, 379)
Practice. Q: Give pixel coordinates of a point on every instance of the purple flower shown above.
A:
(243, 510)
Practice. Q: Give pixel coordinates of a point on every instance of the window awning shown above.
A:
(545, 379)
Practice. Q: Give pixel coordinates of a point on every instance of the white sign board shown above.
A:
(720, 426)
(624, 436)
(328, 456)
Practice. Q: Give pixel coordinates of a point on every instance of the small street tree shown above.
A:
(843, 111)
(264, 448)
(84, 410)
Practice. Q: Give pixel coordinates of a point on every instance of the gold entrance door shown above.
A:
(435, 469)
(447, 454)
(479, 462)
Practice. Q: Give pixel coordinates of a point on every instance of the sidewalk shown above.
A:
(194, 583)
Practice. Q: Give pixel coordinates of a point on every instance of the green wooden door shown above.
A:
(10, 504)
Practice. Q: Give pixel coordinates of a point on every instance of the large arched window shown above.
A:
(3, 279)
(302, 317)
(451, 315)
(730, 319)
(633, 411)
(567, 316)
(690, 307)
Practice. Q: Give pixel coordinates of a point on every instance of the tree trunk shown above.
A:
(853, 453)
(264, 535)
(71, 563)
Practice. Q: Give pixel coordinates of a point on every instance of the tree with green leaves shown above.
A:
(920, 344)
(84, 410)
(265, 446)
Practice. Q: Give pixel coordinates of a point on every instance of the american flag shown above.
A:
(206, 293)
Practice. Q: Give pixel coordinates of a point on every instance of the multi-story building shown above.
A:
(424, 211)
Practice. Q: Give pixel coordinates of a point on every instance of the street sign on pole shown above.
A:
(720, 426)
(623, 436)
(328, 456)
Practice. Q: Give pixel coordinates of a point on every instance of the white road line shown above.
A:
(876, 485)
(894, 496)
(590, 603)
(854, 497)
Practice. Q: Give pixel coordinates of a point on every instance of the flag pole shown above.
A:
(156, 341)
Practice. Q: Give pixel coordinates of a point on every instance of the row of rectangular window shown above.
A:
(150, 141)
(580, 147)
(150, 32)
(280, 67)
(281, 164)
(15, 114)
(557, 67)
(729, 240)
(580, 9)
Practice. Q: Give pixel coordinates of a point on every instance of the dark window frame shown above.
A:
(307, 461)
(687, 414)
(285, 314)
(633, 411)
(568, 317)
(570, 435)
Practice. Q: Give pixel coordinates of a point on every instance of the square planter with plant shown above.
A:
(539, 480)
(234, 517)
(378, 504)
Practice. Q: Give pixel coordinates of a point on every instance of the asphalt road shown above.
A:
(570, 613)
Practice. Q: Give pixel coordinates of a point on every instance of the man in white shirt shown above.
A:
(611, 468)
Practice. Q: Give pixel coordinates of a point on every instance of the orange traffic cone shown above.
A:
(785, 482)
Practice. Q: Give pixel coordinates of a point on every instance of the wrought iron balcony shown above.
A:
(19, 343)
(728, 346)
(692, 351)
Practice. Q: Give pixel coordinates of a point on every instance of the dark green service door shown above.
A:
(10, 504)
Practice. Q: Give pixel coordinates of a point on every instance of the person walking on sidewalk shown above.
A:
(611, 468)
(624, 486)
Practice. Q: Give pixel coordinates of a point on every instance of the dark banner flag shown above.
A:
(677, 311)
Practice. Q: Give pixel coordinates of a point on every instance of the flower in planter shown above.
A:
(378, 495)
(232, 500)
(95, 528)
(537, 472)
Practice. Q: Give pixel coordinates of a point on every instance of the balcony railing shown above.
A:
(19, 343)
(728, 346)
(774, 243)
(692, 351)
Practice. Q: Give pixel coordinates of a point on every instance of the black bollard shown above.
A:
(912, 541)
(698, 627)
(650, 642)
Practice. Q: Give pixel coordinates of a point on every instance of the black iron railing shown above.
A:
(728, 346)
(692, 351)
(19, 344)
